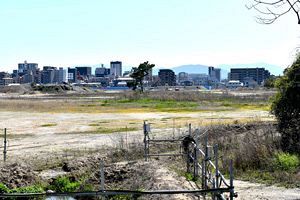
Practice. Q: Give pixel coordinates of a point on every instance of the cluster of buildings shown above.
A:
(237, 77)
(213, 78)
(114, 76)
(31, 73)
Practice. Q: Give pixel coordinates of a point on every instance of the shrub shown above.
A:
(3, 188)
(63, 184)
(286, 161)
(28, 189)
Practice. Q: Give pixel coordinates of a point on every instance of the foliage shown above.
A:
(138, 74)
(286, 107)
(28, 189)
(3, 188)
(286, 161)
(270, 82)
(63, 184)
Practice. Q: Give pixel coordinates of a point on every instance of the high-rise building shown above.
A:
(28, 72)
(24, 67)
(243, 74)
(183, 76)
(115, 69)
(48, 75)
(214, 74)
(72, 75)
(167, 77)
(60, 75)
(84, 71)
(102, 72)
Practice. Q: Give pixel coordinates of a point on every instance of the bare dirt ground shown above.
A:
(38, 134)
(257, 191)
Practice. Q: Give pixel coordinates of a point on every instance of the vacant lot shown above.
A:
(41, 124)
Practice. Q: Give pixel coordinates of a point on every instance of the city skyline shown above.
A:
(73, 33)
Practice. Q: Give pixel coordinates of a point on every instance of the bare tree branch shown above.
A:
(270, 10)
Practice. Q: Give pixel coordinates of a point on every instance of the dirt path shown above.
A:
(255, 191)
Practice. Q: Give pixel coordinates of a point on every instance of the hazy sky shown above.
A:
(165, 32)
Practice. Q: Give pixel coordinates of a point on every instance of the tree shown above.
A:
(138, 74)
(286, 107)
(270, 82)
(271, 10)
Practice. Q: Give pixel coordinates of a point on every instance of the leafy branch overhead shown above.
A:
(138, 74)
(271, 10)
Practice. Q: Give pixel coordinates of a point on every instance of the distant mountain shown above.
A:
(191, 69)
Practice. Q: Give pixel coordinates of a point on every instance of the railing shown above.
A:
(197, 160)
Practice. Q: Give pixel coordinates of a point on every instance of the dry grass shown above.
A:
(253, 148)
(129, 102)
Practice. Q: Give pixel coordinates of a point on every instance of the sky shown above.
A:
(167, 33)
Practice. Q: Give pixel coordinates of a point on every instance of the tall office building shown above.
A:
(48, 75)
(72, 75)
(60, 75)
(167, 77)
(28, 72)
(116, 69)
(25, 67)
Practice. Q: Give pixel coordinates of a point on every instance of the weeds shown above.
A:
(64, 184)
(49, 125)
(286, 161)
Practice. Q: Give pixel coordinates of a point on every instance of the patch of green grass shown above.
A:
(245, 105)
(153, 104)
(189, 176)
(49, 125)
(88, 105)
(103, 130)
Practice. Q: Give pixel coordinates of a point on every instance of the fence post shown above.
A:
(5, 143)
(196, 152)
(205, 162)
(232, 195)
(214, 187)
(145, 142)
(190, 129)
(217, 165)
(102, 178)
